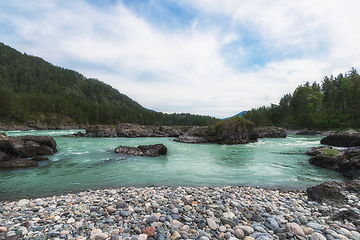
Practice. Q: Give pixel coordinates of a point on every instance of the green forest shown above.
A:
(332, 104)
(32, 89)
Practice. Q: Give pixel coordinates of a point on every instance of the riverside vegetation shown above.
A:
(333, 104)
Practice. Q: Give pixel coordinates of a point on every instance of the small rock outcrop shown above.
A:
(18, 163)
(130, 130)
(308, 132)
(143, 150)
(229, 131)
(334, 191)
(345, 161)
(270, 132)
(345, 139)
(14, 150)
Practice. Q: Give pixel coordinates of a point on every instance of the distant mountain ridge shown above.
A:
(239, 114)
(33, 90)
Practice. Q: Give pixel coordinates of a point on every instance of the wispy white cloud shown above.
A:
(213, 57)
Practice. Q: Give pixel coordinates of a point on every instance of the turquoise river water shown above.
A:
(90, 163)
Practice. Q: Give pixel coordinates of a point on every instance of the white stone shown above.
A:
(317, 236)
(212, 224)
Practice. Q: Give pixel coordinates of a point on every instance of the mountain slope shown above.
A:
(32, 89)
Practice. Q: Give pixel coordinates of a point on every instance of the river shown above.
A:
(90, 163)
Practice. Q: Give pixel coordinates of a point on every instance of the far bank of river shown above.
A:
(90, 163)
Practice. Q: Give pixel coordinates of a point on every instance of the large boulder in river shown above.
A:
(344, 139)
(143, 150)
(229, 131)
(27, 146)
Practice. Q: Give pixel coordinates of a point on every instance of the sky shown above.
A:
(206, 57)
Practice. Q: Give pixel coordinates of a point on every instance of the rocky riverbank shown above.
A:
(180, 213)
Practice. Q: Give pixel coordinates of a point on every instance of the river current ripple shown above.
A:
(91, 163)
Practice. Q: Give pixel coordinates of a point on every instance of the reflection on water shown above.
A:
(83, 163)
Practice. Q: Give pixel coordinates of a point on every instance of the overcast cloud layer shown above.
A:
(208, 57)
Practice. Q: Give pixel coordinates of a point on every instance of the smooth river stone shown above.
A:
(295, 229)
(239, 233)
(246, 229)
(212, 224)
(317, 236)
(263, 236)
(315, 226)
(227, 221)
(271, 224)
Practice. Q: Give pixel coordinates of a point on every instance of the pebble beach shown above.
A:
(162, 213)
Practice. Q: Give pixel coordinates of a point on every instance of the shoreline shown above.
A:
(156, 212)
(47, 195)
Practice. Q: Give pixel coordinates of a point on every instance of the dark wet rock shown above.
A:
(134, 151)
(39, 158)
(229, 131)
(309, 132)
(317, 150)
(15, 149)
(153, 150)
(325, 161)
(144, 150)
(27, 146)
(270, 132)
(100, 131)
(4, 157)
(345, 139)
(333, 191)
(18, 163)
(130, 130)
(345, 161)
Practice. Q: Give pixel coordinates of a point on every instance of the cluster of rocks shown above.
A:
(143, 150)
(15, 151)
(344, 160)
(130, 130)
(163, 213)
(230, 132)
(226, 132)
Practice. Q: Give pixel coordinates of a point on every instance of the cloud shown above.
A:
(204, 57)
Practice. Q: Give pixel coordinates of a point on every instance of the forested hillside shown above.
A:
(33, 89)
(332, 104)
